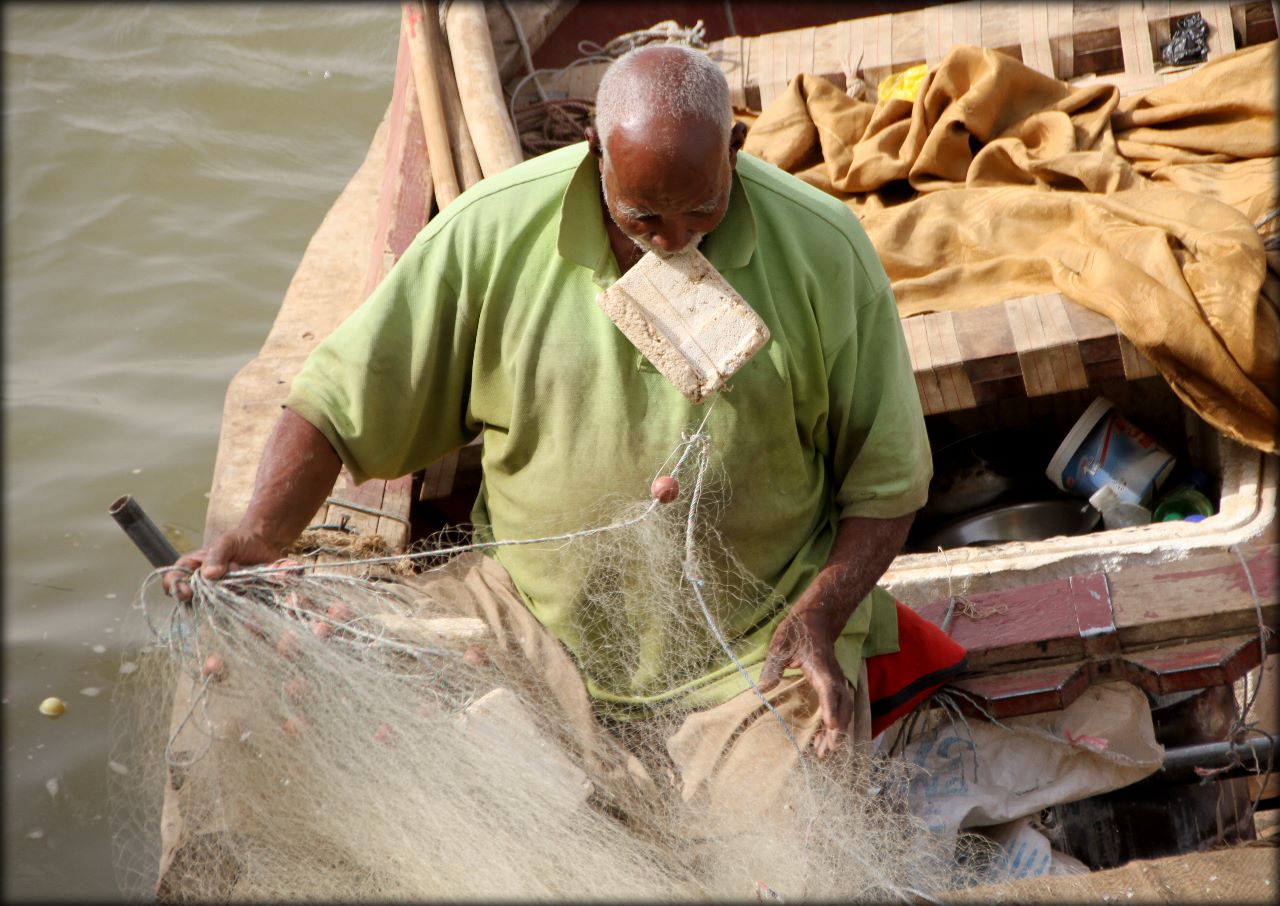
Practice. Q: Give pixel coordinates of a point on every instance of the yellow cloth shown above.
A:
(904, 85)
(998, 182)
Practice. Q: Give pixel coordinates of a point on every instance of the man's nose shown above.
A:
(671, 237)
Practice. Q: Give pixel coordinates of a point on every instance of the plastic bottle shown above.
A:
(1118, 513)
(1182, 502)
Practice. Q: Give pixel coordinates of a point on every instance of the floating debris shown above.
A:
(53, 707)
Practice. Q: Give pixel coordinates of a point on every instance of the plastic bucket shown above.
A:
(1105, 449)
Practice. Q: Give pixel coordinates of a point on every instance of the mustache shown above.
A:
(647, 246)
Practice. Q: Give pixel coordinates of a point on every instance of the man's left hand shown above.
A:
(806, 638)
(803, 641)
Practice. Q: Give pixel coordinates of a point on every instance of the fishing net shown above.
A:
(345, 731)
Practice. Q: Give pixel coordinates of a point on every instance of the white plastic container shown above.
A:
(1103, 449)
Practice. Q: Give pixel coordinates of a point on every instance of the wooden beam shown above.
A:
(476, 70)
(1203, 597)
(538, 18)
(426, 64)
(1032, 346)
(1160, 671)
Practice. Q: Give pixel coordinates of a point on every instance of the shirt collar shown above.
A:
(583, 239)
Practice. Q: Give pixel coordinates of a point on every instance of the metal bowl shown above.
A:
(986, 468)
(1031, 521)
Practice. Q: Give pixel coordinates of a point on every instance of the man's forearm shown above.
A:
(862, 552)
(296, 474)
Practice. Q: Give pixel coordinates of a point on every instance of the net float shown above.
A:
(214, 668)
(296, 689)
(288, 645)
(294, 727)
(53, 707)
(665, 488)
(340, 612)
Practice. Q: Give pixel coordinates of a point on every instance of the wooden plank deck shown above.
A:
(1114, 42)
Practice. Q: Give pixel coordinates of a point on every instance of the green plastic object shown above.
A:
(1180, 503)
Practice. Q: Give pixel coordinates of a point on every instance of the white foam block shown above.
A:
(501, 719)
(446, 632)
(686, 319)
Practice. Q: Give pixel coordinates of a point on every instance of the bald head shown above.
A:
(667, 146)
(661, 92)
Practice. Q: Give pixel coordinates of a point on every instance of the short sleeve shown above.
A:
(388, 387)
(881, 460)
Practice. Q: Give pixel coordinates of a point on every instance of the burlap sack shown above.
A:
(998, 182)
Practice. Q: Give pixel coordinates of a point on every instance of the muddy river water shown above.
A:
(164, 167)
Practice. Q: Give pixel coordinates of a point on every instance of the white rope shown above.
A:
(694, 578)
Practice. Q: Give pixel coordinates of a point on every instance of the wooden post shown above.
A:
(427, 84)
(497, 146)
(464, 152)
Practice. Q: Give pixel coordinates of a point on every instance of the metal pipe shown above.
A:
(130, 516)
(1180, 763)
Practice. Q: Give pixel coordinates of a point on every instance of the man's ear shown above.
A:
(593, 140)
(737, 137)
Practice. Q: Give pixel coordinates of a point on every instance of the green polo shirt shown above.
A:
(488, 325)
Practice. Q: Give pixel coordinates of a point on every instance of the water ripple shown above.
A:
(165, 165)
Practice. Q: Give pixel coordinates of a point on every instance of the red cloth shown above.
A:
(926, 659)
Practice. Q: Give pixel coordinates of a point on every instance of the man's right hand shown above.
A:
(234, 550)
(297, 471)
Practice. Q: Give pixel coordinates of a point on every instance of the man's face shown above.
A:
(665, 192)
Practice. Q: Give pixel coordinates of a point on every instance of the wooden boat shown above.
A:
(1167, 612)
(1029, 354)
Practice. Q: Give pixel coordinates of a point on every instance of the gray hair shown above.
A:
(683, 83)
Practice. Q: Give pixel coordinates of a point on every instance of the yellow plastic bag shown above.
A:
(905, 84)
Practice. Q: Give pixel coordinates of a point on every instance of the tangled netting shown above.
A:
(339, 731)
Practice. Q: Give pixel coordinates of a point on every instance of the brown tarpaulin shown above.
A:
(998, 182)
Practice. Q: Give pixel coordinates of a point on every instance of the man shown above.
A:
(488, 325)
